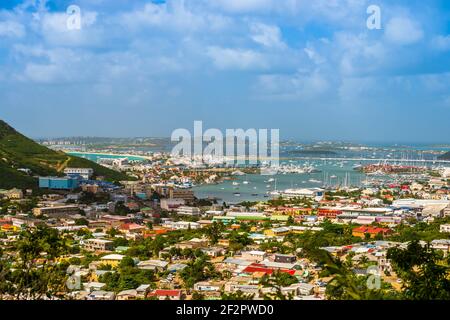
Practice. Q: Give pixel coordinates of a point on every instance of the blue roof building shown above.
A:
(59, 183)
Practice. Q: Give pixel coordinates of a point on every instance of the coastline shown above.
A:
(75, 153)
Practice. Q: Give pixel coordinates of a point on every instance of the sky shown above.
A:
(312, 69)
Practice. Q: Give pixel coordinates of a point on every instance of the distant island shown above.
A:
(314, 153)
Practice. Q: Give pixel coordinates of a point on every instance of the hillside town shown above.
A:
(152, 238)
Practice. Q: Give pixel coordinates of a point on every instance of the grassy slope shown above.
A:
(18, 151)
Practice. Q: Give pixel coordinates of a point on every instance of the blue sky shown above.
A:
(310, 68)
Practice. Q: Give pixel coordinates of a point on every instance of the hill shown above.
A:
(445, 156)
(18, 151)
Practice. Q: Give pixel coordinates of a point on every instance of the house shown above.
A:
(127, 295)
(112, 259)
(171, 204)
(93, 286)
(181, 225)
(285, 258)
(371, 231)
(101, 295)
(166, 294)
(253, 255)
(213, 251)
(188, 211)
(98, 245)
(56, 210)
(131, 227)
(142, 290)
(441, 244)
(305, 289)
(208, 286)
(9, 228)
(158, 265)
(260, 269)
(277, 232)
(244, 288)
(192, 244)
(444, 228)
(14, 194)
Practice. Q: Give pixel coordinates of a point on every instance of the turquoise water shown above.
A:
(260, 185)
(96, 157)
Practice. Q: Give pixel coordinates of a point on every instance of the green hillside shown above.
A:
(18, 151)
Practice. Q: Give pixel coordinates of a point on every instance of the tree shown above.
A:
(425, 273)
(214, 231)
(276, 282)
(37, 274)
(345, 285)
(81, 222)
(126, 262)
(198, 270)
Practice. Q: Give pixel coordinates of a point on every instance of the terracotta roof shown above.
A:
(160, 292)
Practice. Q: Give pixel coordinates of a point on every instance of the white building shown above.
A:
(254, 255)
(181, 225)
(188, 211)
(303, 193)
(171, 204)
(444, 228)
(85, 173)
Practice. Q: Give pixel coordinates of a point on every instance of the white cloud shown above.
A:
(403, 31)
(296, 86)
(227, 58)
(175, 16)
(441, 42)
(267, 35)
(11, 29)
(239, 6)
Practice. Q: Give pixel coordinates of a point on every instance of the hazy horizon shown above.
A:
(312, 69)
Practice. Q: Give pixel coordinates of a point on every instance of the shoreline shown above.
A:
(74, 153)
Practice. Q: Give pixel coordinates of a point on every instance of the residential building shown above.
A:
(56, 210)
(98, 245)
(188, 211)
(85, 173)
(371, 231)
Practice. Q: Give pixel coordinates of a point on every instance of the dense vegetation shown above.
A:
(18, 151)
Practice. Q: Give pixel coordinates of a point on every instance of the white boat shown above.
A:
(235, 183)
(314, 181)
(245, 182)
